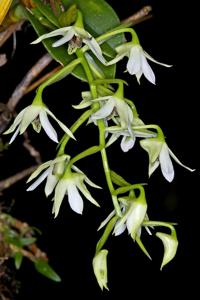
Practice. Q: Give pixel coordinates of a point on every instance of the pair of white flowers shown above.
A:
(69, 184)
(137, 58)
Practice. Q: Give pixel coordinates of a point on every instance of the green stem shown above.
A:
(85, 153)
(101, 127)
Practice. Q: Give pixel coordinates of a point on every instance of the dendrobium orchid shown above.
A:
(113, 105)
(52, 171)
(134, 211)
(37, 115)
(69, 185)
(100, 268)
(128, 136)
(75, 34)
(137, 61)
(159, 154)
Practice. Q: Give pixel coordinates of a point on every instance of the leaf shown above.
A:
(18, 257)
(27, 241)
(46, 11)
(43, 268)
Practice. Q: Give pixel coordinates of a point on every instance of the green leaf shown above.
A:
(18, 257)
(106, 234)
(27, 241)
(46, 10)
(43, 268)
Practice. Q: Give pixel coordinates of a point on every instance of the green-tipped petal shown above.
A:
(16, 122)
(30, 114)
(60, 192)
(64, 128)
(39, 170)
(153, 147)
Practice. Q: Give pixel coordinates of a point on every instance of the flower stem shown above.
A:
(101, 127)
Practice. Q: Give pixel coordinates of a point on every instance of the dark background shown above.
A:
(70, 239)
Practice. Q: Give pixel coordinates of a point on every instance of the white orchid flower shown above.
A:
(170, 243)
(118, 106)
(100, 268)
(37, 115)
(137, 61)
(76, 35)
(52, 171)
(70, 184)
(128, 136)
(159, 154)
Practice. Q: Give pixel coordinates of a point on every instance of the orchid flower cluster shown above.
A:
(116, 118)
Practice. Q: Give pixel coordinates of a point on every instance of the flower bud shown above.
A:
(100, 268)
(170, 243)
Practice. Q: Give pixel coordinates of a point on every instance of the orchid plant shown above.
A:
(90, 49)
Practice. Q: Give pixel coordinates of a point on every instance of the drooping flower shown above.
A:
(117, 106)
(100, 268)
(128, 136)
(134, 212)
(159, 154)
(75, 35)
(170, 243)
(52, 171)
(137, 61)
(70, 184)
(37, 115)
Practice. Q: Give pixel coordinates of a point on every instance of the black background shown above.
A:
(70, 239)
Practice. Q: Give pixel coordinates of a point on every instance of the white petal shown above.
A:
(153, 166)
(30, 114)
(92, 183)
(166, 163)
(66, 38)
(134, 61)
(60, 192)
(127, 143)
(74, 198)
(86, 193)
(155, 61)
(147, 70)
(60, 31)
(51, 182)
(104, 111)
(16, 122)
(48, 128)
(95, 48)
(64, 128)
(14, 135)
(39, 170)
(38, 181)
(119, 229)
(178, 161)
